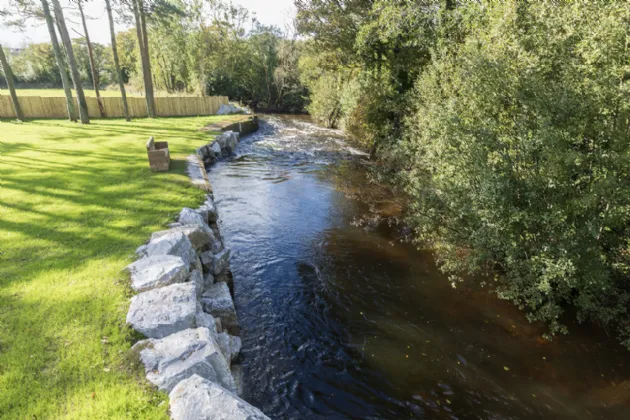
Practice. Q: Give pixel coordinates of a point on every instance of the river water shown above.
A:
(341, 319)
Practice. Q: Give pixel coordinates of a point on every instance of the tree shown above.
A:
(516, 159)
(119, 74)
(8, 76)
(60, 61)
(94, 70)
(143, 45)
(74, 71)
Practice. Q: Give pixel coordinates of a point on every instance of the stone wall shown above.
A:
(184, 306)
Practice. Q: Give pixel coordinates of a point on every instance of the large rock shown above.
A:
(190, 217)
(221, 262)
(161, 312)
(206, 320)
(210, 208)
(174, 243)
(197, 398)
(179, 356)
(157, 271)
(216, 300)
(230, 346)
(231, 141)
(196, 277)
(216, 148)
(199, 235)
(226, 109)
(207, 259)
(228, 141)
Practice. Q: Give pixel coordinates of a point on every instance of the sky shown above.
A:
(268, 12)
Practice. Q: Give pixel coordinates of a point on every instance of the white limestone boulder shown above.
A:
(197, 279)
(221, 262)
(164, 311)
(211, 210)
(199, 235)
(226, 109)
(206, 320)
(207, 259)
(174, 243)
(217, 301)
(157, 271)
(190, 217)
(230, 346)
(197, 398)
(216, 149)
(228, 141)
(169, 360)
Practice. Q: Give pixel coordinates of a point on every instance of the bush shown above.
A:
(519, 158)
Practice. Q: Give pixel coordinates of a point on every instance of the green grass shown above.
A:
(75, 202)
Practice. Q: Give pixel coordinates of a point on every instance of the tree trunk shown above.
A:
(59, 59)
(72, 63)
(143, 44)
(95, 76)
(121, 83)
(8, 76)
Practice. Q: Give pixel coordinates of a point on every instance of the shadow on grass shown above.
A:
(75, 201)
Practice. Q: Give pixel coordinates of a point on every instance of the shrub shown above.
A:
(518, 157)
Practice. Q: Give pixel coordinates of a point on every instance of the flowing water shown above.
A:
(341, 319)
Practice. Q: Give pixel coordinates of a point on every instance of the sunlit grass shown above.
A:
(75, 202)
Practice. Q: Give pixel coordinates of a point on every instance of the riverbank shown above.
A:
(185, 306)
(75, 202)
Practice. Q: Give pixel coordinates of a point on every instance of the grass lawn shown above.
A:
(75, 202)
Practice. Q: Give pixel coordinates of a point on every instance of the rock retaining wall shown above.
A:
(185, 307)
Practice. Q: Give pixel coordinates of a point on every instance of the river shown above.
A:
(340, 319)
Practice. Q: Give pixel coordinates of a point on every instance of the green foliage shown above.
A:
(517, 156)
(103, 61)
(213, 48)
(36, 64)
(128, 54)
(362, 63)
(507, 123)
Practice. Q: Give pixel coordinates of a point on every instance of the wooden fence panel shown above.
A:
(169, 106)
(6, 108)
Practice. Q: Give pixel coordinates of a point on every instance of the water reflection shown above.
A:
(341, 320)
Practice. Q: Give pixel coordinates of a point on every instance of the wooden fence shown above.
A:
(169, 106)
